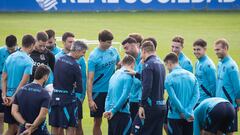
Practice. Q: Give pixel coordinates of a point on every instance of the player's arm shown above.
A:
(51, 61)
(78, 76)
(27, 72)
(235, 80)
(40, 118)
(90, 85)
(196, 122)
(24, 81)
(4, 81)
(188, 66)
(84, 78)
(172, 96)
(211, 78)
(43, 112)
(4, 84)
(195, 96)
(124, 97)
(147, 81)
(16, 114)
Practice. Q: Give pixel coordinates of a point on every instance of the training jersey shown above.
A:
(201, 113)
(30, 99)
(16, 65)
(136, 89)
(4, 53)
(118, 92)
(67, 81)
(43, 58)
(153, 77)
(82, 63)
(205, 72)
(103, 64)
(228, 83)
(56, 50)
(185, 62)
(183, 92)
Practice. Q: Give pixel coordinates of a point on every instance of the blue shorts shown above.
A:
(8, 118)
(1, 103)
(179, 127)
(134, 106)
(99, 99)
(120, 124)
(63, 116)
(221, 118)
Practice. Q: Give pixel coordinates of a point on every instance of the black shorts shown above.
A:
(99, 99)
(179, 127)
(134, 106)
(120, 124)
(152, 124)
(80, 111)
(1, 102)
(221, 118)
(63, 116)
(8, 118)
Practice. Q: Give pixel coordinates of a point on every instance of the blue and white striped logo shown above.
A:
(47, 4)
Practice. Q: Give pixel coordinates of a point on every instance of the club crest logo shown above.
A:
(47, 5)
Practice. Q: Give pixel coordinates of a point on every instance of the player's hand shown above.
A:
(28, 125)
(92, 105)
(190, 119)
(141, 113)
(11, 99)
(5, 100)
(108, 115)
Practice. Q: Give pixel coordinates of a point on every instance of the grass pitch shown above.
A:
(161, 25)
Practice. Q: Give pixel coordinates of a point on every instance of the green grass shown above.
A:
(161, 25)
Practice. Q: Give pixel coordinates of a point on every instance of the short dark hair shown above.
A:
(41, 71)
(67, 35)
(171, 57)
(27, 41)
(79, 46)
(178, 39)
(200, 42)
(42, 36)
(152, 39)
(138, 37)
(129, 40)
(11, 41)
(148, 46)
(223, 42)
(128, 60)
(50, 33)
(105, 35)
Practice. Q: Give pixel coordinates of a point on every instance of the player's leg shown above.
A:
(97, 126)
(100, 102)
(174, 127)
(79, 130)
(12, 123)
(70, 130)
(1, 114)
(187, 128)
(1, 123)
